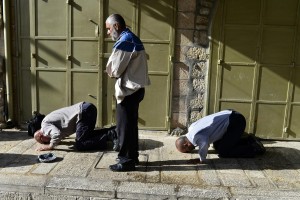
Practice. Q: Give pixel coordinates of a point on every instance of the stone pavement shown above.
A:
(164, 173)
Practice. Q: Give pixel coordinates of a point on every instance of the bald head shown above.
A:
(184, 145)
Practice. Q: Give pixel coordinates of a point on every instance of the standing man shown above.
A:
(79, 118)
(224, 129)
(128, 65)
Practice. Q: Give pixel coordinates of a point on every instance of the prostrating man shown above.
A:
(80, 119)
(224, 129)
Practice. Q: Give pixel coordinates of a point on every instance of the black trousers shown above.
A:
(231, 144)
(127, 126)
(86, 137)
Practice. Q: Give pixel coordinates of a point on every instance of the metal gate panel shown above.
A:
(51, 90)
(273, 44)
(156, 17)
(294, 128)
(84, 54)
(270, 120)
(296, 80)
(273, 84)
(242, 11)
(237, 81)
(50, 18)
(255, 64)
(83, 85)
(234, 51)
(85, 18)
(50, 53)
(278, 12)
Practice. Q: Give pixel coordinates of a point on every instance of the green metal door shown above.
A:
(64, 49)
(61, 41)
(255, 64)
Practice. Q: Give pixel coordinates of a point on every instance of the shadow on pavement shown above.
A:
(18, 160)
(275, 158)
(14, 136)
(148, 144)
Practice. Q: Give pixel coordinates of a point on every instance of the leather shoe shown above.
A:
(136, 161)
(113, 136)
(122, 167)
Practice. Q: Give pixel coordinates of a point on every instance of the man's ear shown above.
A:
(116, 26)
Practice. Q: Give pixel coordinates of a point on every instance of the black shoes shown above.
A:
(113, 136)
(136, 161)
(122, 167)
(258, 147)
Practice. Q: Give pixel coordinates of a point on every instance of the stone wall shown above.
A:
(192, 58)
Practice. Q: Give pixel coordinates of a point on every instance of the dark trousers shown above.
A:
(127, 126)
(231, 144)
(86, 137)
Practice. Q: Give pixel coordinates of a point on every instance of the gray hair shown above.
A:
(116, 19)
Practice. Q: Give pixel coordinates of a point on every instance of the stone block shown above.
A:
(180, 88)
(195, 115)
(203, 193)
(134, 190)
(203, 20)
(199, 70)
(179, 104)
(201, 38)
(178, 120)
(181, 71)
(179, 53)
(196, 101)
(184, 37)
(204, 11)
(22, 183)
(186, 5)
(207, 3)
(185, 20)
(199, 85)
(80, 186)
(196, 53)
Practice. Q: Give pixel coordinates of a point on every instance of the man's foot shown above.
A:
(113, 136)
(259, 148)
(136, 161)
(124, 167)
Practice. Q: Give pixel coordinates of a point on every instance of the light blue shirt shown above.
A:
(208, 130)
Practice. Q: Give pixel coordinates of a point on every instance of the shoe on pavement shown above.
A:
(113, 136)
(122, 167)
(136, 161)
(259, 148)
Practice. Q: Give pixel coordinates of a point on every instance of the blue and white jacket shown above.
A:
(128, 64)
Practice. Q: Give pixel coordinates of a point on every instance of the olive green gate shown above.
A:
(255, 64)
(63, 50)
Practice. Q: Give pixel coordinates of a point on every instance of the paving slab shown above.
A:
(163, 173)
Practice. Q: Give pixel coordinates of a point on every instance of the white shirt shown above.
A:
(208, 130)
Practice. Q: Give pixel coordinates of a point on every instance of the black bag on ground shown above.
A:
(34, 123)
